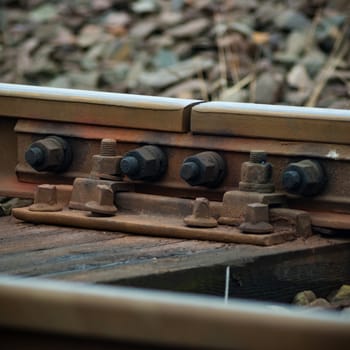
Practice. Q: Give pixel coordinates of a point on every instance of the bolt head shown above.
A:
(291, 180)
(34, 156)
(129, 165)
(189, 171)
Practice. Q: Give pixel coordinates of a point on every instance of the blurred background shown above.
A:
(279, 52)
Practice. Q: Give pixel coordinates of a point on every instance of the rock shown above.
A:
(116, 22)
(313, 61)
(295, 45)
(304, 298)
(169, 19)
(193, 88)
(341, 104)
(7, 205)
(89, 35)
(341, 296)
(241, 28)
(117, 51)
(161, 41)
(291, 20)
(116, 74)
(190, 29)
(143, 29)
(100, 5)
(41, 63)
(43, 13)
(177, 5)
(234, 96)
(296, 98)
(285, 58)
(165, 77)
(84, 80)
(298, 78)
(320, 303)
(269, 87)
(61, 81)
(164, 58)
(145, 6)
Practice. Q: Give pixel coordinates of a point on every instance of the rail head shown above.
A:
(162, 318)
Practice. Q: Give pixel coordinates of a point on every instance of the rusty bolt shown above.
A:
(52, 153)
(203, 169)
(256, 174)
(144, 163)
(306, 178)
(256, 219)
(104, 206)
(258, 156)
(45, 199)
(106, 164)
(201, 215)
(108, 147)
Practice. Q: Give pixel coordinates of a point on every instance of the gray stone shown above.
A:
(313, 61)
(143, 29)
(298, 78)
(43, 13)
(269, 87)
(164, 58)
(343, 294)
(89, 35)
(84, 80)
(193, 88)
(234, 96)
(165, 77)
(296, 43)
(291, 20)
(241, 28)
(145, 6)
(116, 74)
(320, 303)
(304, 298)
(190, 29)
(296, 98)
(61, 81)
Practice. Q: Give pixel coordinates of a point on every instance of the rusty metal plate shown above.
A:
(97, 108)
(153, 225)
(268, 121)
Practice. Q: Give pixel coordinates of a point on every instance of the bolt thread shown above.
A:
(108, 147)
(258, 156)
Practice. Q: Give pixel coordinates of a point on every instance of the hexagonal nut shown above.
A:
(205, 168)
(312, 177)
(54, 153)
(149, 163)
(106, 164)
(256, 172)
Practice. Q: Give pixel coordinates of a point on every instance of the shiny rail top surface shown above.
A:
(271, 121)
(98, 108)
(176, 115)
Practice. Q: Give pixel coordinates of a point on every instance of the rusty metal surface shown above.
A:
(235, 151)
(174, 177)
(98, 108)
(268, 121)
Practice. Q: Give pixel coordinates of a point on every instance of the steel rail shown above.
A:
(272, 122)
(97, 108)
(164, 319)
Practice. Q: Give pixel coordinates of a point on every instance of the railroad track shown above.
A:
(181, 129)
(185, 170)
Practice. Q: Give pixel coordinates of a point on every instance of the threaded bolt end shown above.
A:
(258, 156)
(108, 148)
